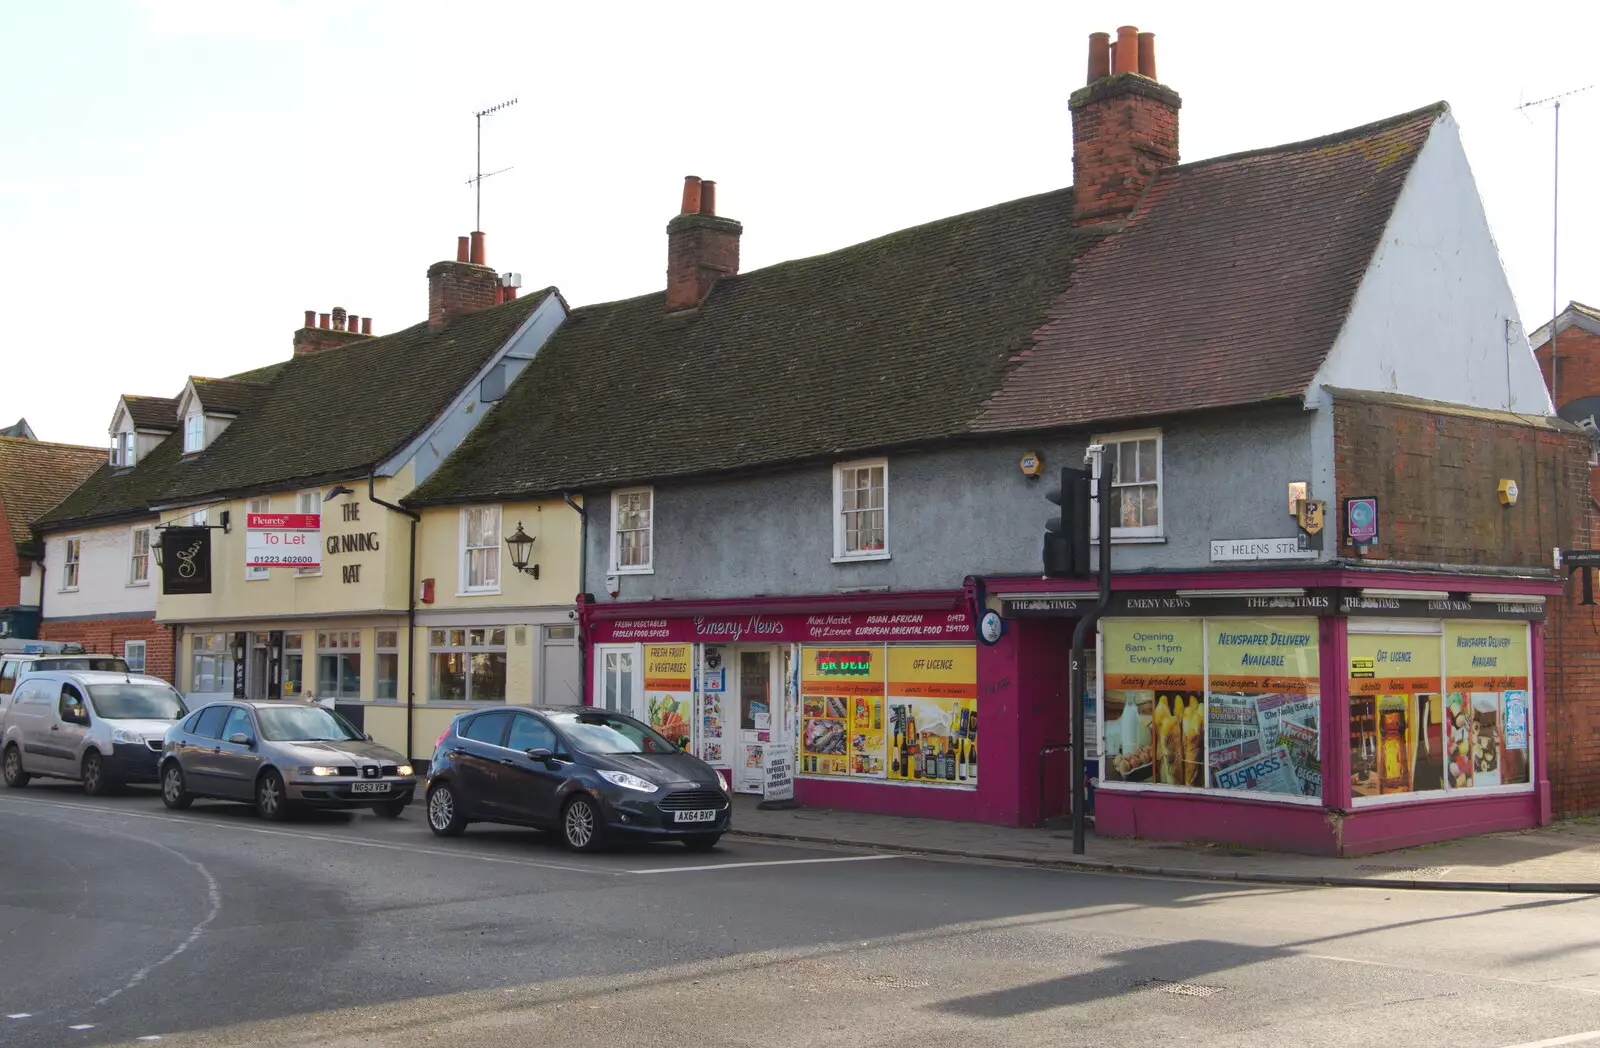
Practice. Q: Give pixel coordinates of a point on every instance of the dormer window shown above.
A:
(122, 449)
(194, 432)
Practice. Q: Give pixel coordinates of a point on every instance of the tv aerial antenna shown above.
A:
(1555, 225)
(476, 181)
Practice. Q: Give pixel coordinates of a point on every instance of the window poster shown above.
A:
(933, 715)
(1264, 698)
(669, 690)
(1154, 706)
(713, 675)
(1396, 714)
(1486, 704)
(841, 711)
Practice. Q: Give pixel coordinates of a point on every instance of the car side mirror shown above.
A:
(541, 753)
(367, 735)
(239, 738)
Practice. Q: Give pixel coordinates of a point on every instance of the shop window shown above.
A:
(339, 664)
(1221, 704)
(861, 510)
(632, 531)
(387, 657)
(1135, 462)
(257, 506)
(309, 502)
(194, 432)
(133, 654)
(469, 665)
(69, 574)
(139, 557)
(211, 663)
(294, 661)
(480, 549)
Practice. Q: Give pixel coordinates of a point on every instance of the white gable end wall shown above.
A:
(1433, 316)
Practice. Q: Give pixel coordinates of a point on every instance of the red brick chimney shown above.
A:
(462, 286)
(1124, 126)
(702, 247)
(334, 331)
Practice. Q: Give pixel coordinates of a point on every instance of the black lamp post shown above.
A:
(521, 544)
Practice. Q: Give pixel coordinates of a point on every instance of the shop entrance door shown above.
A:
(756, 672)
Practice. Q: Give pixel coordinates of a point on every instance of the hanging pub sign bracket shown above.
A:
(183, 552)
(1582, 559)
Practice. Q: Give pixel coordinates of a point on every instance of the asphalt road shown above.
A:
(120, 921)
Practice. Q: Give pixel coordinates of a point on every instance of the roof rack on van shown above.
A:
(18, 646)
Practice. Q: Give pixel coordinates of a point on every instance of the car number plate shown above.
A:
(704, 815)
(369, 787)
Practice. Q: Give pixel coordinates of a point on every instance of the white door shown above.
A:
(755, 673)
(618, 679)
(558, 661)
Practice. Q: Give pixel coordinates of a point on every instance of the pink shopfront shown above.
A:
(866, 704)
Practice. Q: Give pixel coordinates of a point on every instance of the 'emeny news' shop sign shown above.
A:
(283, 540)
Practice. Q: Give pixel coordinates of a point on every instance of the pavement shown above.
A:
(1561, 858)
(124, 923)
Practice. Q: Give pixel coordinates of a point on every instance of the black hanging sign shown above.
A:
(185, 560)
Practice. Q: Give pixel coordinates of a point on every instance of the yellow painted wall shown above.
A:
(283, 593)
(555, 528)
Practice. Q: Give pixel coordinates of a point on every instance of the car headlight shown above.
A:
(722, 777)
(628, 782)
(319, 770)
(130, 738)
(404, 769)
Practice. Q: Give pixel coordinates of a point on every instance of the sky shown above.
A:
(181, 179)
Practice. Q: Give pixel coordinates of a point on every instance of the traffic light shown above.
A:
(1066, 537)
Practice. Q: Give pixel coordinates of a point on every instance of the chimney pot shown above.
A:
(691, 195)
(366, 325)
(338, 318)
(1126, 57)
(462, 249)
(1099, 57)
(1147, 55)
(708, 198)
(478, 254)
(353, 325)
(311, 318)
(327, 321)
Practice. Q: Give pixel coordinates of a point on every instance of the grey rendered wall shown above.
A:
(956, 512)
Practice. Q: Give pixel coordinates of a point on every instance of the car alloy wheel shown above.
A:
(94, 783)
(173, 793)
(270, 804)
(14, 775)
(444, 818)
(580, 825)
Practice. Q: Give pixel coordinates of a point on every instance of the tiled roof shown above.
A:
(228, 396)
(340, 412)
(1227, 287)
(895, 340)
(113, 494)
(152, 412)
(35, 475)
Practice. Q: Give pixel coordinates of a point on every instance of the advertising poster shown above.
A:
(668, 690)
(1396, 714)
(933, 715)
(839, 689)
(1154, 716)
(1264, 679)
(1486, 704)
(282, 540)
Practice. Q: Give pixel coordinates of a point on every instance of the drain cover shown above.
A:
(1180, 989)
(1415, 871)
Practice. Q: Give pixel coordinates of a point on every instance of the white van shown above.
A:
(100, 729)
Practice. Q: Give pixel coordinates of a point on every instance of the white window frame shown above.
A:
(134, 556)
(649, 565)
(260, 505)
(464, 561)
(127, 654)
(468, 648)
(840, 554)
(1148, 533)
(122, 448)
(302, 500)
(194, 432)
(344, 642)
(611, 685)
(379, 650)
(71, 564)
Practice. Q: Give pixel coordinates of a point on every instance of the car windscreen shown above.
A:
(136, 702)
(601, 732)
(304, 724)
(79, 663)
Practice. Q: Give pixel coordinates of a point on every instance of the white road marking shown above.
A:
(775, 862)
(82, 1026)
(213, 907)
(1571, 1038)
(151, 1037)
(20, 1015)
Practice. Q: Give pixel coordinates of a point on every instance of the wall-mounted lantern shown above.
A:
(521, 544)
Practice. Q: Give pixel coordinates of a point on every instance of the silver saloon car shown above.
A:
(280, 755)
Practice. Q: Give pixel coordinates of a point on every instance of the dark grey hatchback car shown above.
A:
(590, 774)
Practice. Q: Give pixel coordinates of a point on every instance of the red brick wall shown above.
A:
(10, 565)
(1435, 477)
(459, 287)
(105, 637)
(1580, 364)
(1124, 131)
